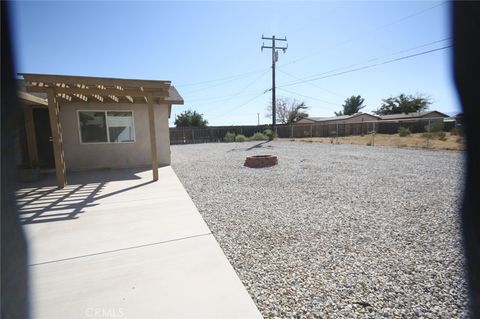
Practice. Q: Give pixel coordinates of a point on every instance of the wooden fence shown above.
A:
(188, 135)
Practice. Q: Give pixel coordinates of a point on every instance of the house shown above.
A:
(77, 123)
(342, 119)
(413, 116)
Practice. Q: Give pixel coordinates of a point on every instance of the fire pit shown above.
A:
(259, 161)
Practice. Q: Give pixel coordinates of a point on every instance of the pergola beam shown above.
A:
(91, 91)
(153, 136)
(94, 81)
(53, 112)
(98, 97)
(30, 134)
(113, 98)
(81, 97)
(65, 96)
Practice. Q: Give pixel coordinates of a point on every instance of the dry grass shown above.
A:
(452, 142)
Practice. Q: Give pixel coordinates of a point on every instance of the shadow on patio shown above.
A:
(42, 202)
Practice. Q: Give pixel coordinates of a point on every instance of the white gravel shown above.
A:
(335, 231)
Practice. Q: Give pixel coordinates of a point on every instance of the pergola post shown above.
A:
(53, 112)
(30, 134)
(153, 136)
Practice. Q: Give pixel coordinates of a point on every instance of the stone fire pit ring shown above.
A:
(259, 161)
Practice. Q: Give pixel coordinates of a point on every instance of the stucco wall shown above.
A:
(114, 155)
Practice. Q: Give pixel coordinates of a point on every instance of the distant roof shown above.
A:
(410, 115)
(340, 117)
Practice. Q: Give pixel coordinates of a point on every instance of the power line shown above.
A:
(336, 74)
(310, 97)
(368, 32)
(239, 106)
(312, 84)
(242, 75)
(231, 77)
(366, 67)
(221, 83)
(414, 48)
(214, 99)
(313, 98)
(242, 90)
(370, 60)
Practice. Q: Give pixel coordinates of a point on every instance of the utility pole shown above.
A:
(258, 118)
(274, 60)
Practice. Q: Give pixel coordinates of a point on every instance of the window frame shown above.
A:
(106, 125)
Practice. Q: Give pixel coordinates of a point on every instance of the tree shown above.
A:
(352, 105)
(190, 118)
(288, 110)
(403, 104)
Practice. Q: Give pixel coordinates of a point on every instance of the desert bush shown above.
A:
(269, 133)
(427, 135)
(229, 137)
(442, 136)
(434, 127)
(258, 137)
(240, 138)
(404, 131)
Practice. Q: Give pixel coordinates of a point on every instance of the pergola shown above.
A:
(81, 89)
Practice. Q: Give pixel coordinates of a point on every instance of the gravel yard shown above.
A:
(335, 231)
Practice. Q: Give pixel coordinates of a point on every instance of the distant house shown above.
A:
(342, 119)
(413, 116)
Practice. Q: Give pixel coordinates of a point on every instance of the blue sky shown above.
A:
(211, 50)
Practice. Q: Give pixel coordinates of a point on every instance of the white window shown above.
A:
(106, 126)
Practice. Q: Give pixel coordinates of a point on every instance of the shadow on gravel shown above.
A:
(259, 145)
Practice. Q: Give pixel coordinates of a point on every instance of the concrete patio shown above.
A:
(114, 244)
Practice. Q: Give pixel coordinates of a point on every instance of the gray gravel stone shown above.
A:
(335, 231)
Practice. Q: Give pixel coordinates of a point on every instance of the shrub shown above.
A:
(442, 136)
(427, 135)
(258, 137)
(307, 133)
(269, 133)
(403, 131)
(240, 138)
(434, 127)
(369, 143)
(229, 137)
